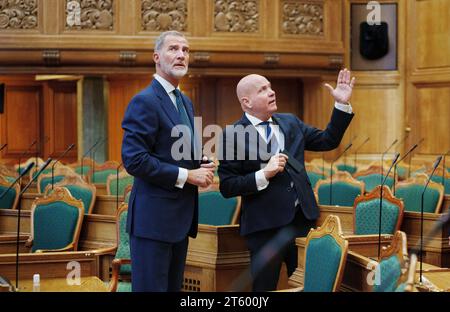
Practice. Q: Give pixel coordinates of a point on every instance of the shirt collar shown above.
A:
(165, 84)
(254, 120)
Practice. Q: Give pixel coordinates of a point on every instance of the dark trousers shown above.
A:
(157, 266)
(270, 248)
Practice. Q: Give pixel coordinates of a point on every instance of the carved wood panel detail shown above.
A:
(300, 18)
(90, 14)
(18, 14)
(164, 15)
(236, 16)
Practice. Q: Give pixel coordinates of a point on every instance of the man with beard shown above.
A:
(163, 206)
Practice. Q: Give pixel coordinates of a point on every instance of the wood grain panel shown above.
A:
(432, 118)
(432, 32)
(20, 121)
(121, 91)
(60, 119)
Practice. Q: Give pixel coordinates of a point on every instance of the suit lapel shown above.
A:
(166, 102)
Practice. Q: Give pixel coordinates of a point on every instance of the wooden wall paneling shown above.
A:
(227, 104)
(60, 119)
(121, 91)
(20, 122)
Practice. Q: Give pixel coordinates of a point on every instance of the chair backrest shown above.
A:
(99, 173)
(392, 268)
(11, 199)
(325, 256)
(408, 286)
(84, 168)
(56, 221)
(214, 209)
(366, 213)
(344, 189)
(441, 176)
(410, 192)
(372, 177)
(123, 238)
(23, 165)
(315, 174)
(59, 174)
(79, 189)
(346, 167)
(116, 185)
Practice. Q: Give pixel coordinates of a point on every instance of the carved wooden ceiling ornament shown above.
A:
(18, 14)
(300, 18)
(236, 16)
(162, 15)
(90, 14)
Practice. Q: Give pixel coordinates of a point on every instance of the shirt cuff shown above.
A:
(182, 177)
(347, 108)
(261, 181)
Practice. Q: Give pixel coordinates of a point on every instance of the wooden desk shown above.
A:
(87, 284)
(215, 259)
(107, 204)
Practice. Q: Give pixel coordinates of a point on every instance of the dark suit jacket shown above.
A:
(157, 209)
(274, 206)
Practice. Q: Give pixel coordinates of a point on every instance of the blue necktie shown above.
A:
(272, 143)
(183, 115)
(268, 129)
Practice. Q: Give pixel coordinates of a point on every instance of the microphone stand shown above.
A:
(331, 170)
(382, 157)
(56, 161)
(323, 165)
(26, 152)
(28, 168)
(410, 158)
(117, 185)
(357, 149)
(395, 166)
(436, 163)
(345, 158)
(18, 217)
(3, 146)
(82, 158)
(381, 202)
(444, 170)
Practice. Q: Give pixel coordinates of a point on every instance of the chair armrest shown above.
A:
(116, 264)
(67, 248)
(29, 242)
(296, 289)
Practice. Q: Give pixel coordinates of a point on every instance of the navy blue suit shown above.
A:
(267, 212)
(158, 212)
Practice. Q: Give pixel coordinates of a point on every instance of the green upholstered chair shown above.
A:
(408, 285)
(11, 199)
(372, 177)
(314, 174)
(99, 173)
(55, 222)
(345, 189)
(59, 174)
(366, 212)
(347, 168)
(437, 177)
(410, 191)
(116, 186)
(325, 255)
(79, 189)
(121, 264)
(214, 209)
(23, 165)
(391, 271)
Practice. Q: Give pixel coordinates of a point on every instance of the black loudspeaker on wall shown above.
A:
(2, 97)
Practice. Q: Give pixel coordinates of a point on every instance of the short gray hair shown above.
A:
(162, 37)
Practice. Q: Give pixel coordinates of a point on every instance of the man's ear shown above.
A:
(156, 57)
(246, 102)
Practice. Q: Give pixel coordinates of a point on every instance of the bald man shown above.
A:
(278, 203)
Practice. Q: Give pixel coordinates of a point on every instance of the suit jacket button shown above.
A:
(289, 189)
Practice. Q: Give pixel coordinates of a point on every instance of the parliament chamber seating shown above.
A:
(343, 190)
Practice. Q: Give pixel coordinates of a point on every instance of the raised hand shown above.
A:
(344, 87)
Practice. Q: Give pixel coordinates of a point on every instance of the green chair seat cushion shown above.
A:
(373, 180)
(388, 272)
(323, 256)
(412, 198)
(367, 216)
(123, 183)
(344, 194)
(8, 199)
(54, 225)
(100, 177)
(214, 209)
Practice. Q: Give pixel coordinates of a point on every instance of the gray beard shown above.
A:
(174, 72)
